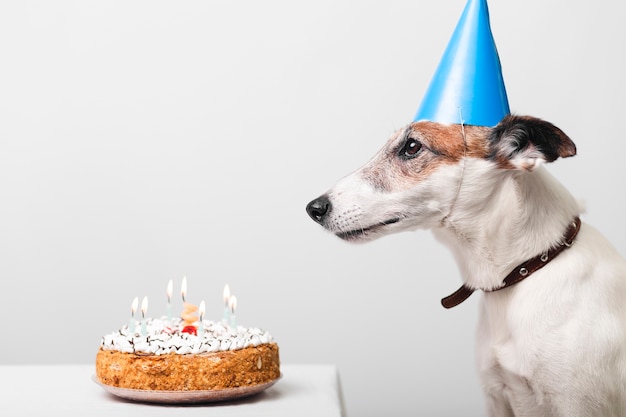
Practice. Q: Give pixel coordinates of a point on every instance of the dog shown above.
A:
(554, 343)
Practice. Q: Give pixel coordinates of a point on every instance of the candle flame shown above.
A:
(232, 303)
(183, 288)
(144, 306)
(201, 310)
(169, 290)
(133, 306)
(226, 294)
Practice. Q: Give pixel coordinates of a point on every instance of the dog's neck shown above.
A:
(501, 218)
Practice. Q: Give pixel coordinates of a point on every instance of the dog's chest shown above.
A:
(506, 374)
(512, 356)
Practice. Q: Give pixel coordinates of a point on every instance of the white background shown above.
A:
(143, 141)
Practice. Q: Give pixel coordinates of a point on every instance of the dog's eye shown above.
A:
(411, 148)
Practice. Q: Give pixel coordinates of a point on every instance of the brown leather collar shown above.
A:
(523, 270)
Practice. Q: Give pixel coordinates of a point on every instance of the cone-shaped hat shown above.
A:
(468, 86)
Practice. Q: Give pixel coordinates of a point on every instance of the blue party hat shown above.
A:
(468, 86)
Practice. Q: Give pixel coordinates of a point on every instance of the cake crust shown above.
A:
(203, 371)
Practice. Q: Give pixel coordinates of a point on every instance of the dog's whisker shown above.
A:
(361, 225)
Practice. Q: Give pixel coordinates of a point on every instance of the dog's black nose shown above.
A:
(319, 208)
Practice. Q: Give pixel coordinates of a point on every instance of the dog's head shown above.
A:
(427, 168)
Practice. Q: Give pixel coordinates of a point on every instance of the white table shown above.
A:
(68, 390)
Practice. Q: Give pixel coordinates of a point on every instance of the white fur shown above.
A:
(553, 345)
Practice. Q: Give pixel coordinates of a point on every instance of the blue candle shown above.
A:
(133, 308)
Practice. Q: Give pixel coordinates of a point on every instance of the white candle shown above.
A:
(169, 300)
(201, 324)
(226, 318)
(144, 310)
(133, 309)
(233, 305)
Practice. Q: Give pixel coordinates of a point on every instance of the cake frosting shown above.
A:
(174, 355)
(164, 336)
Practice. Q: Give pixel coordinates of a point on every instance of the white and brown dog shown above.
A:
(551, 345)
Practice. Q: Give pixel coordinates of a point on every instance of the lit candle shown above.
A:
(201, 324)
(188, 314)
(233, 305)
(169, 300)
(133, 308)
(144, 310)
(183, 288)
(226, 304)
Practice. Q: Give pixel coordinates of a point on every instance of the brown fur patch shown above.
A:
(441, 145)
(448, 139)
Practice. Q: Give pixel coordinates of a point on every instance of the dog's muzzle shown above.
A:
(319, 208)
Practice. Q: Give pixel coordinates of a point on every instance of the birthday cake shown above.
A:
(171, 355)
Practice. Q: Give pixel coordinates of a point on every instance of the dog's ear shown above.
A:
(523, 142)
